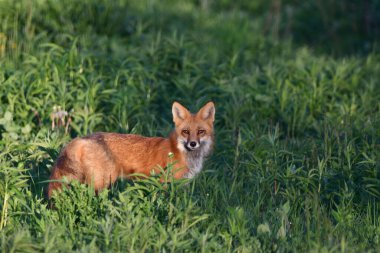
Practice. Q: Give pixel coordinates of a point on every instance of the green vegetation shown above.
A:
(296, 165)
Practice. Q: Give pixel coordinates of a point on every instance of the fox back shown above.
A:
(101, 158)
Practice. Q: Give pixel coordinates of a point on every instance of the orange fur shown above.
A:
(101, 158)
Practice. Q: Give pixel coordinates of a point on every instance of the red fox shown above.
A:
(101, 158)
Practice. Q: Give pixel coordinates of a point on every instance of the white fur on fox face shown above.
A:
(205, 143)
(195, 158)
(181, 144)
(203, 147)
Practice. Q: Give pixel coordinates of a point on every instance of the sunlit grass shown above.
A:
(296, 159)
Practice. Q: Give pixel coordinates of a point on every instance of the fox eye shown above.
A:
(185, 131)
(201, 131)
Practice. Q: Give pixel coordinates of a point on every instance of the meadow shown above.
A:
(296, 163)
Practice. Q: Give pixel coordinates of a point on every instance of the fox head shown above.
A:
(194, 131)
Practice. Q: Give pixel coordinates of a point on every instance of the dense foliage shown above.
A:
(296, 165)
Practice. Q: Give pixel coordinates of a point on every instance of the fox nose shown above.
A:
(193, 144)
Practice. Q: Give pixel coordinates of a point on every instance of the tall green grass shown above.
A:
(296, 159)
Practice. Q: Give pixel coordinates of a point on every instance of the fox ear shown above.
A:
(207, 112)
(179, 113)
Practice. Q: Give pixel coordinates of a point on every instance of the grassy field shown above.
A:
(296, 165)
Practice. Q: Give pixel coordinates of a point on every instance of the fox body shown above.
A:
(101, 158)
